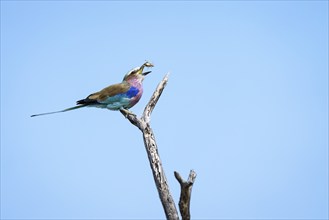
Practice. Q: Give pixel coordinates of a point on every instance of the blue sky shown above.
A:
(246, 107)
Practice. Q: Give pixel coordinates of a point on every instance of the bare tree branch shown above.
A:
(154, 99)
(185, 194)
(152, 151)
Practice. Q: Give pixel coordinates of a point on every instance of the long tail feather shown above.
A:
(65, 110)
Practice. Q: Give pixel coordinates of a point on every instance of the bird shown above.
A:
(120, 96)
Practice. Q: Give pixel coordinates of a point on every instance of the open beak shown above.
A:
(145, 73)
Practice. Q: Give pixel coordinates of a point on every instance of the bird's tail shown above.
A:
(65, 110)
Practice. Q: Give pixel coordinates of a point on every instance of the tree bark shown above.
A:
(159, 176)
(185, 194)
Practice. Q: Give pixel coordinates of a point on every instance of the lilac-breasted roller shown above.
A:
(122, 95)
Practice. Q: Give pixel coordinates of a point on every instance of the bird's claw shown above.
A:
(126, 112)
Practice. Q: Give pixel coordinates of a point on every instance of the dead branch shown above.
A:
(143, 124)
(185, 194)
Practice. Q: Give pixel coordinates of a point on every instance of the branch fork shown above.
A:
(143, 124)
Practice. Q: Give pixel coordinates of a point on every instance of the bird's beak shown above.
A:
(145, 73)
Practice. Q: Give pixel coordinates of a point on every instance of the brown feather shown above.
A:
(109, 91)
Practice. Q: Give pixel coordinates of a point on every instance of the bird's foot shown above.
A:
(126, 112)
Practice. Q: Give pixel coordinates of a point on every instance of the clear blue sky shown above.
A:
(246, 107)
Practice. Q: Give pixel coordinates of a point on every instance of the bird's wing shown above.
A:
(105, 93)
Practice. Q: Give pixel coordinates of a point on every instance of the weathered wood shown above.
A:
(152, 151)
(185, 194)
(158, 174)
(154, 99)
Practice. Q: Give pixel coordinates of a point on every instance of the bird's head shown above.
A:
(137, 73)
